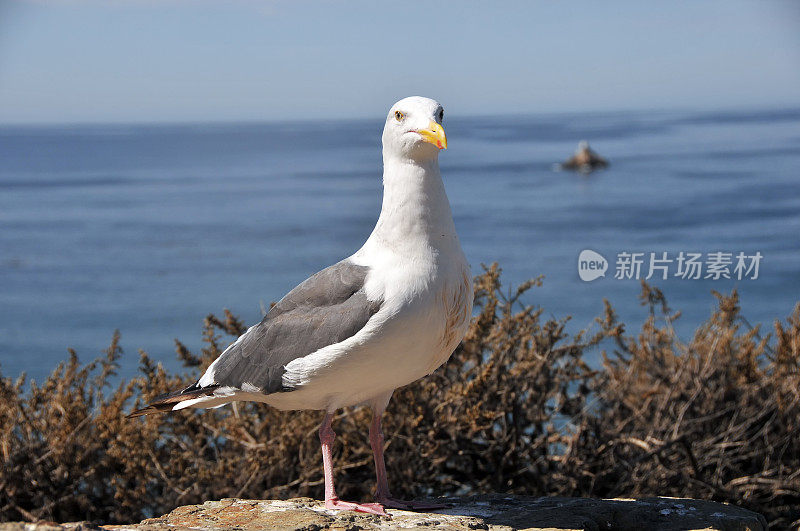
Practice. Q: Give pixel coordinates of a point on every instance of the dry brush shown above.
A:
(518, 408)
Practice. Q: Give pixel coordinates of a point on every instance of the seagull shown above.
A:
(351, 334)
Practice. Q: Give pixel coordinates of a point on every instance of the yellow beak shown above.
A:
(434, 134)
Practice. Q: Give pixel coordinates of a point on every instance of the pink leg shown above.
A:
(326, 436)
(382, 494)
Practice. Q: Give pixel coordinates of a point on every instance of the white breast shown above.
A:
(423, 317)
(418, 271)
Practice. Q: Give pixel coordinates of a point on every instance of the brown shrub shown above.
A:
(516, 409)
(717, 418)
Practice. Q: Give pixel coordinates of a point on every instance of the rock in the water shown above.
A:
(493, 512)
(584, 160)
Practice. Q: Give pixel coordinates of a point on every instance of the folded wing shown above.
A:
(327, 308)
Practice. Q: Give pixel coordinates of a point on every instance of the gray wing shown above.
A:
(327, 308)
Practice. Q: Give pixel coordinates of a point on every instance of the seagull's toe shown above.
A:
(370, 508)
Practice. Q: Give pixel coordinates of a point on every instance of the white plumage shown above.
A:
(416, 268)
(405, 296)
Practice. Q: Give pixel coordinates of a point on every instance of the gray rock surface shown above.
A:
(494, 512)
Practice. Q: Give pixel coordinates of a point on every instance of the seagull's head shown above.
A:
(414, 129)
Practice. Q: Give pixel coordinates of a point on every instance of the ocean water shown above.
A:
(149, 228)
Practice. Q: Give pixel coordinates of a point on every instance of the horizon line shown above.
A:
(726, 109)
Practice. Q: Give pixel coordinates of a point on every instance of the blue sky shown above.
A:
(196, 60)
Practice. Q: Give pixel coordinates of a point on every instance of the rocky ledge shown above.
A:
(493, 512)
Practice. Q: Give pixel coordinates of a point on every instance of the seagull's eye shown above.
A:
(441, 114)
(399, 116)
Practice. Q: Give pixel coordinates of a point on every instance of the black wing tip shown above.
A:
(152, 408)
(165, 402)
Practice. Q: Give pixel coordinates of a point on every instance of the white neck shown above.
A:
(415, 208)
